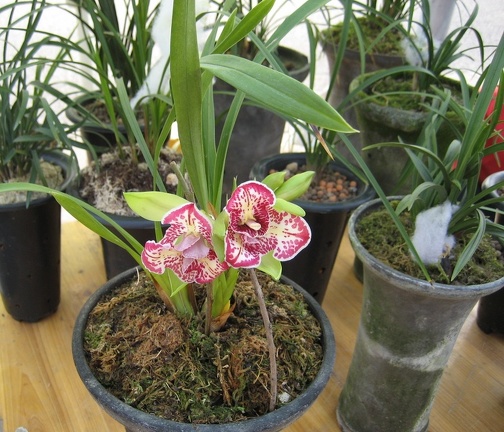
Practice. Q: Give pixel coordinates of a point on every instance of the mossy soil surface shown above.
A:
(389, 43)
(164, 364)
(397, 91)
(379, 235)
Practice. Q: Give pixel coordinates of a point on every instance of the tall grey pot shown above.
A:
(407, 332)
(381, 124)
(351, 67)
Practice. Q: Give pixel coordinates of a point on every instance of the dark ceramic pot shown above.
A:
(30, 252)
(258, 132)
(312, 267)
(351, 67)
(407, 331)
(490, 312)
(139, 421)
(100, 137)
(380, 124)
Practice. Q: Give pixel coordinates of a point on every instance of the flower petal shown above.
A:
(244, 251)
(292, 234)
(156, 257)
(248, 208)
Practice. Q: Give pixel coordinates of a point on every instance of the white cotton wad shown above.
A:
(416, 47)
(431, 227)
(158, 79)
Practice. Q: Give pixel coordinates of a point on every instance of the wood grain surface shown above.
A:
(41, 391)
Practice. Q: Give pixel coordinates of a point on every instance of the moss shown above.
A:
(390, 44)
(379, 235)
(165, 365)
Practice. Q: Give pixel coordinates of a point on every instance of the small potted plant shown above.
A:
(394, 104)
(204, 247)
(32, 141)
(422, 277)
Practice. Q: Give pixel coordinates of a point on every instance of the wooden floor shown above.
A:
(40, 389)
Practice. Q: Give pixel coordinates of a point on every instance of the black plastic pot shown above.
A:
(30, 252)
(257, 132)
(139, 421)
(115, 258)
(490, 312)
(312, 267)
(101, 137)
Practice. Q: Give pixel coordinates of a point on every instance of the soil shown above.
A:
(379, 235)
(164, 364)
(103, 183)
(397, 91)
(99, 110)
(390, 44)
(328, 186)
(53, 175)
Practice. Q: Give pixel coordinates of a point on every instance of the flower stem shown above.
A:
(208, 312)
(269, 338)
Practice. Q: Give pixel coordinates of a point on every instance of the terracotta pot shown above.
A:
(139, 421)
(312, 267)
(30, 252)
(407, 332)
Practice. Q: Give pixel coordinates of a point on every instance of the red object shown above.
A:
(494, 162)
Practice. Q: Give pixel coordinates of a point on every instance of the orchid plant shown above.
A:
(259, 226)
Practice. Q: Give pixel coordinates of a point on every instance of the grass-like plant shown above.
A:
(451, 180)
(29, 126)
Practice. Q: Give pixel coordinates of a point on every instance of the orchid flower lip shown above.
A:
(256, 228)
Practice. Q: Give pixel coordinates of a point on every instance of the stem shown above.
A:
(208, 312)
(269, 338)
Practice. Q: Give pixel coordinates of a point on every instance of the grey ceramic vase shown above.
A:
(407, 331)
(381, 124)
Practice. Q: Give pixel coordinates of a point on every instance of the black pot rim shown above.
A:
(280, 417)
(69, 166)
(408, 282)
(366, 192)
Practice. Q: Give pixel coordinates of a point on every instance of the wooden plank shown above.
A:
(40, 389)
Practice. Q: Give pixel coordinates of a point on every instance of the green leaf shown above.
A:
(471, 246)
(187, 95)
(289, 207)
(296, 186)
(275, 91)
(245, 26)
(274, 180)
(271, 266)
(153, 205)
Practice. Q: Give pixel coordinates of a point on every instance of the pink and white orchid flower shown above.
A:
(186, 247)
(256, 228)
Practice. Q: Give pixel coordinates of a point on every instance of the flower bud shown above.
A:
(295, 186)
